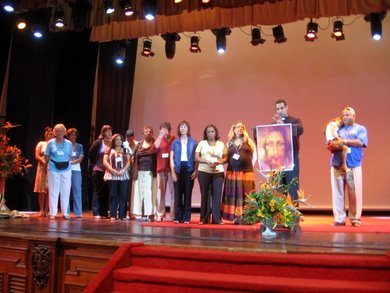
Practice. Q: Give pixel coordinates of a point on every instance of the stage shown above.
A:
(316, 235)
(70, 253)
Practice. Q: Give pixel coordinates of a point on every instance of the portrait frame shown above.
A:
(274, 147)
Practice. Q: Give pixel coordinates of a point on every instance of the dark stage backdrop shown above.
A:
(115, 87)
(5, 31)
(52, 81)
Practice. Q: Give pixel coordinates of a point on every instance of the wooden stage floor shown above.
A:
(316, 235)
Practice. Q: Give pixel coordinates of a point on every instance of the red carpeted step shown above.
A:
(315, 266)
(127, 279)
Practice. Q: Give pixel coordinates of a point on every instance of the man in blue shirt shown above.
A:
(354, 136)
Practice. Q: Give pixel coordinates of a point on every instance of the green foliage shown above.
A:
(272, 205)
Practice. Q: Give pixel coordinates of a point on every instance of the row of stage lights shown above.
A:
(170, 39)
(149, 7)
(126, 7)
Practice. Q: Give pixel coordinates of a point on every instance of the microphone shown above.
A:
(282, 117)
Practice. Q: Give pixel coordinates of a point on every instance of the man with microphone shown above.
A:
(282, 117)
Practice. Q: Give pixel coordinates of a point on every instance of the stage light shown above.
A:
(126, 7)
(108, 6)
(376, 24)
(39, 22)
(59, 17)
(177, 1)
(21, 24)
(338, 33)
(194, 48)
(149, 9)
(221, 38)
(256, 37)
(170, 43)
(278, 34)
(205, 1)
(38, 31)
(311, 31)
(120, 55)
(147, 48)
(9, 6)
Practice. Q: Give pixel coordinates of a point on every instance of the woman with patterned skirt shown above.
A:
(239, 178)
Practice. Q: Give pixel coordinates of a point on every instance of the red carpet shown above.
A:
(165, 269)
(310, 224)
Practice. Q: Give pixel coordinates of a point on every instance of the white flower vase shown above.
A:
(268, 232)
(4, 210)
(266, 228)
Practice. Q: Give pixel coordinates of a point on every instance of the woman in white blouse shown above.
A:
(210, 154)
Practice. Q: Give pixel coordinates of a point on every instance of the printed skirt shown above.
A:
(236, 185)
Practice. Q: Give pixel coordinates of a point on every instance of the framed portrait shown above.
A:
(274, 147)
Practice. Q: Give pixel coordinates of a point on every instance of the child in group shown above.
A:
(335, 143)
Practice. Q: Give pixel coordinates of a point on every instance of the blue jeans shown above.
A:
(119, 191)
(77, 193)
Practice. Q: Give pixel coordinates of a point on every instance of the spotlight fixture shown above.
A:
(120, 55)
(9, 5)
(311, 31)
(39, 22)
(278, 33)
(221, 38)
(177, 1)
(59, 17)
(147, 48)
(38, 31)
(21, 24)
(126, 7)
(194, 48)
(149, 9)
(205, 1)
(256, 37)
(376, 24)
(338, 30)
(108, 6)
(170, 43)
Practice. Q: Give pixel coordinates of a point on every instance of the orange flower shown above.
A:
(11, 159)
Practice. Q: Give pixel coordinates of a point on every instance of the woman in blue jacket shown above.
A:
(184, 171)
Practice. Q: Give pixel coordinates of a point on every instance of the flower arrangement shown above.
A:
(272, 205)
(11, 160)
(11, 163)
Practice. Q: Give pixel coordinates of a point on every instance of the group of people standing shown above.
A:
(148, 169)
(132, 178)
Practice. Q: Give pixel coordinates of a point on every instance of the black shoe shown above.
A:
(338, 224)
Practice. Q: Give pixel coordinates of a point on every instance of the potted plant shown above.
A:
(11, 162)
(272, 206)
